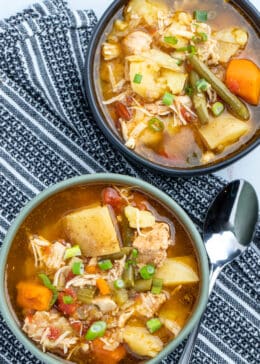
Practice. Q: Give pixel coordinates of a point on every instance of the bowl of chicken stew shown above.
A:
(176, 84)
(111, 267)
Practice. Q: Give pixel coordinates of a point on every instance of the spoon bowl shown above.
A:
(228, 230)
(230, 222)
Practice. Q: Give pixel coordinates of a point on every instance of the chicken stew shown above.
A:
(180, 80)
(107, 272)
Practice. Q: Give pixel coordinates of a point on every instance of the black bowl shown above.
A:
(101, 115)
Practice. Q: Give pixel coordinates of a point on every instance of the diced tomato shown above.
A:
(54, 333)
(67, 308)
(111, 197)
(69, 276)
(122, 111)
(152, 30)
(139, 201)
(187, 116)
(77, 327)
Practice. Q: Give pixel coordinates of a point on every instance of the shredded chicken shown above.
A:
(119, 97)
(112, 339)
(83, 280)
(125, 316)
(150, 303)
(153, 246)
(117, 270)
(137, 42)
(59, 279)
(39, 328)
(157, 108)
(105, 304)
(171, 326)
(131, 142)
(46, 253)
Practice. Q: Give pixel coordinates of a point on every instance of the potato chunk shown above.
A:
(178, 270)
(175, 80)
(136, 217)
(150, 86)
(93, 230)
(148, 10)
(223, 130)
(142, 342)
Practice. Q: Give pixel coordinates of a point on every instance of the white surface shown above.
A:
(247, 168)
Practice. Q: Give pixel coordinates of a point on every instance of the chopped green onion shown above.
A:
(72, 252)
(157, 285)
(188, 90)
(96, 330)
(191, 49)
(179, 62)
(138, 78)
(171, 40)
(78, 268)
(202, 85)
(201, 15)
(155, 124)
(119, 284)
(135, 253)
(217, 108)
(105, 264)
(46, 281)
(168, 99)
(182, 49)
(86, 294)
(147, 271)
(67, 300)
(153, 325)
(203, 36)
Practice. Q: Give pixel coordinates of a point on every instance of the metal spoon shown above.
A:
(228, 230)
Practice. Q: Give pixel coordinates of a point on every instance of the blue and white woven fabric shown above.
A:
(48, 134)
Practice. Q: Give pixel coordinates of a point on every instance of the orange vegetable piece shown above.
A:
(33, 296)
(243, 79)
(103, 286)
(91, 269)
(105, 356)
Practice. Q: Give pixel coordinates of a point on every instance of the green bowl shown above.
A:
(6, 308)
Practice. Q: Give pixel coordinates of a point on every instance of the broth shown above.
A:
(54, 222)
(179, 137)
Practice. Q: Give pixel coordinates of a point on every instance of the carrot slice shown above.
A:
(243, 79)
(33, 296)
(109, 357)
(103, 286)
(91, 269)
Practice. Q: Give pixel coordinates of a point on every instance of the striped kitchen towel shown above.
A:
(48, 134)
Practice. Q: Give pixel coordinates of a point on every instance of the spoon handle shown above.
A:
(188, 350)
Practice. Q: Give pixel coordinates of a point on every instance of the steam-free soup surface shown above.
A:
(180, 80)
(102, 272)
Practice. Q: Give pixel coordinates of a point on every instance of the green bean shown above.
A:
(237, 107)
(128, 277)
(124, 251)
(199, 99)
(127, 233)
(142, 285)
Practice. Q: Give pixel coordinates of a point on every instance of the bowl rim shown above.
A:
(188, 224)
(89, 85)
